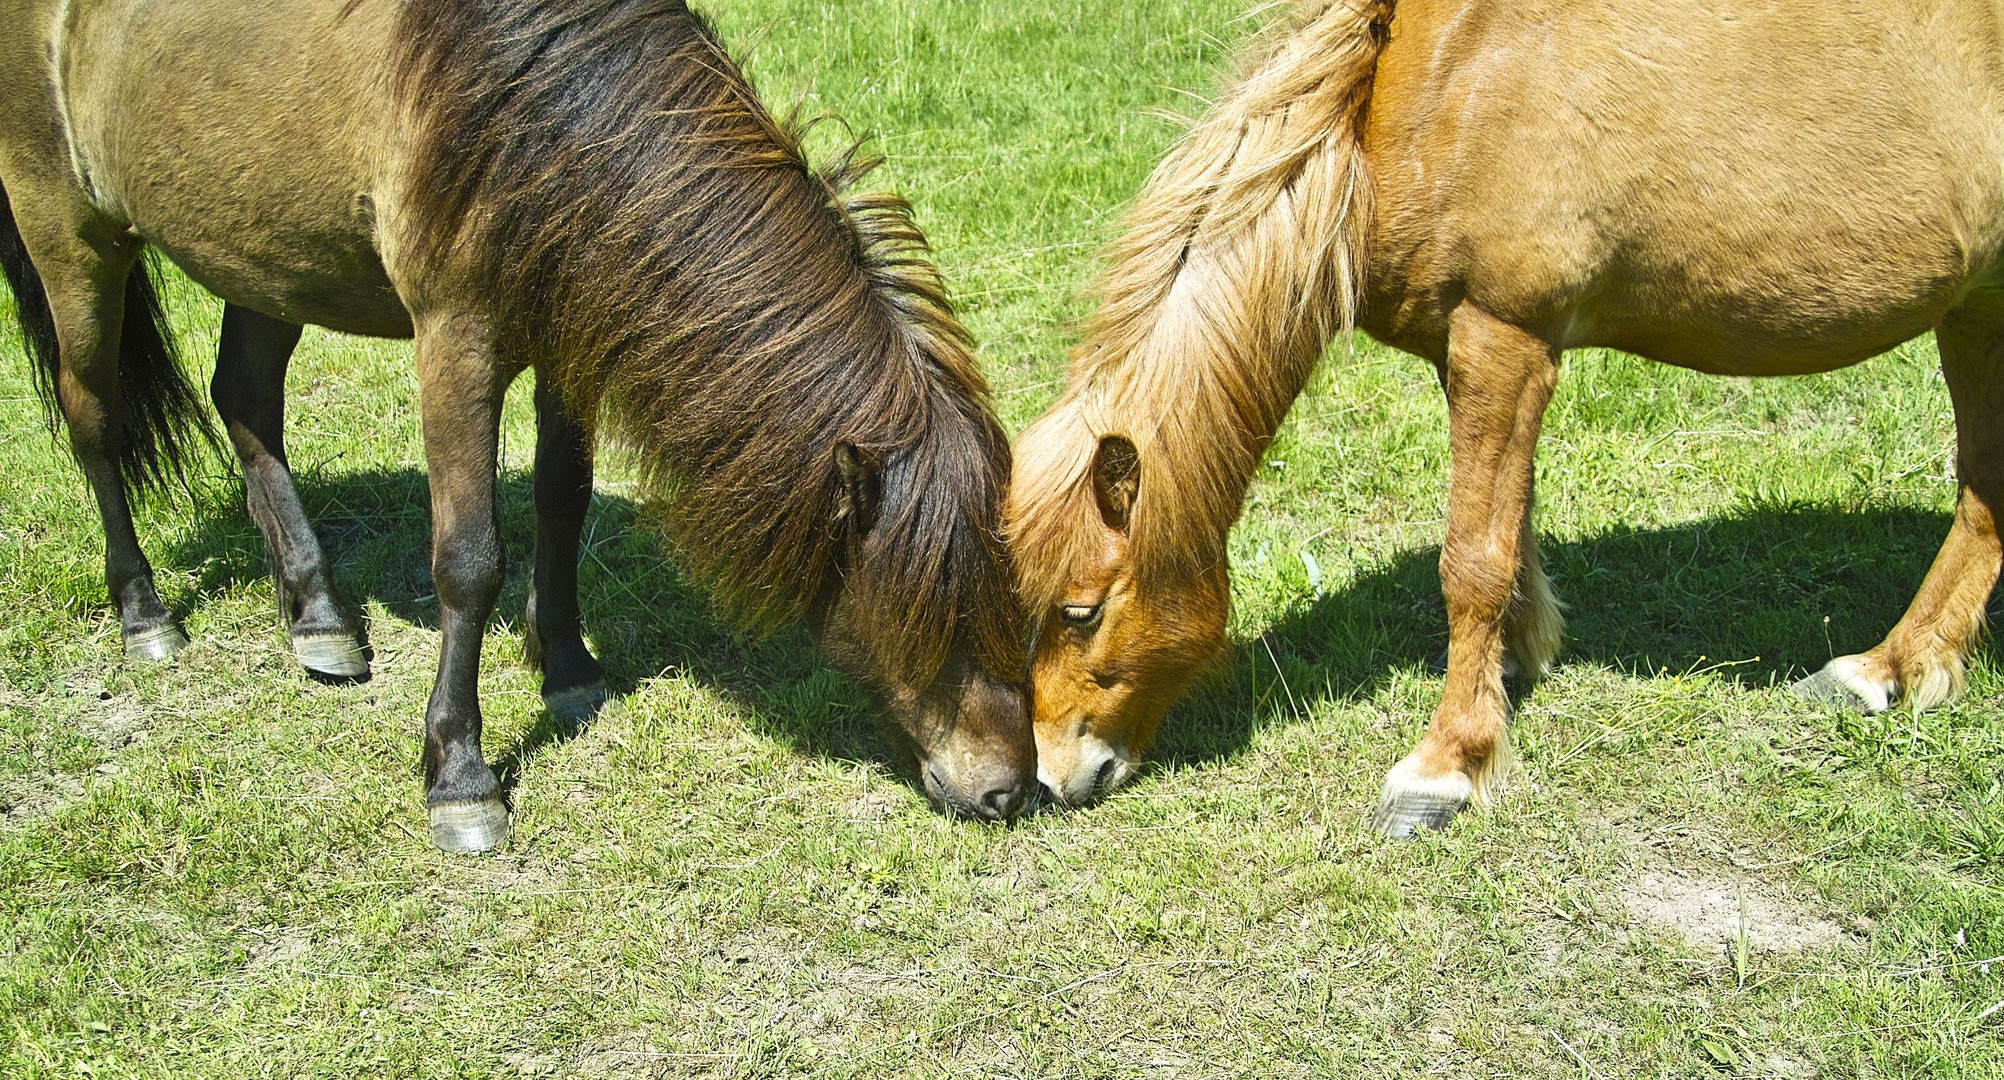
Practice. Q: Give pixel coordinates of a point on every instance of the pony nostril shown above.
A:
(1103, 779)
(1046, 795)
(1002, 803)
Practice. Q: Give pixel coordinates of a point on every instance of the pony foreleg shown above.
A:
(1534, 624)
(1499, 379)
(249, 392)
(460, 392)
(1921, 661)
(573, 681)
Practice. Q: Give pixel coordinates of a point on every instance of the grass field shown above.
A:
(219, 868)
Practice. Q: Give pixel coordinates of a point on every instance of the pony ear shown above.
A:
(855, 493)
(1116, 480)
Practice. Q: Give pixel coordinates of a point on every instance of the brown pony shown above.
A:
(1738, 188)
(588, 188)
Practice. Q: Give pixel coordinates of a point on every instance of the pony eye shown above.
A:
(1079, 615)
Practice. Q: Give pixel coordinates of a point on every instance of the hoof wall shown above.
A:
(467, 828)
(1826, 689)
(1830, 687)
(331, 656)
(577, 704)
(1405, 816)
(158, 643)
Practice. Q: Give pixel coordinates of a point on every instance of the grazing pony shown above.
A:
(1738, 188)
(588, 188)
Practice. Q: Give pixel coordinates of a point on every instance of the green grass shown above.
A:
(217, 867)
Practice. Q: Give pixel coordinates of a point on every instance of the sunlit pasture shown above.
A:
(219, 867)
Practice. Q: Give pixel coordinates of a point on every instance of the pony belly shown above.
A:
(1718, 340)
(323, 282)
(1795, 300)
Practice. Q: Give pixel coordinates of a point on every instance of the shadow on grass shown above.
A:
(642, 618)
(1772, 593)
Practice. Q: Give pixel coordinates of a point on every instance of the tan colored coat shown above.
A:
(1748, 187)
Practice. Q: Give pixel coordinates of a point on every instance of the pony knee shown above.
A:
(467, 571)
(1479, 586)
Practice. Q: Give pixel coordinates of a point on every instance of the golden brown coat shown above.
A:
(1741, 188)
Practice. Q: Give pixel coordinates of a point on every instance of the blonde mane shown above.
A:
(1239, 261)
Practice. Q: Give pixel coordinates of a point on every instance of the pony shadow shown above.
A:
(1760, 596)
(643, 619)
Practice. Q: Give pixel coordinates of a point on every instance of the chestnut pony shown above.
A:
(588, 188)
(1739, 188)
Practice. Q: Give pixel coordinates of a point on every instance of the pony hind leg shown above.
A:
(249, 393)
(1921, 662)
(73, 278)
(1499, 379)
(573, 682)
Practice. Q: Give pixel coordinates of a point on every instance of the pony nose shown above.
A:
(1102, 781)
(1003, 803)
(996, 791)
(992, 794)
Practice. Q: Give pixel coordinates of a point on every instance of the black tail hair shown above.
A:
(166, 420)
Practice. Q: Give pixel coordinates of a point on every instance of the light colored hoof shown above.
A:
(577, 704)
(1414, 804)
(1825, 689)
(1842, 683)
(333, 656)
(1406, 816)
(468, 828)
(158, 643)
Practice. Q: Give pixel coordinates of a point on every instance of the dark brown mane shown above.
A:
(648, 234)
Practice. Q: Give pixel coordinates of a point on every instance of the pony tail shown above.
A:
(31, 312)
(165, 419)
(1242, 257)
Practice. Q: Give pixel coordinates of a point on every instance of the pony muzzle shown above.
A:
(983, 762)
(1097, 770)
(990, 791)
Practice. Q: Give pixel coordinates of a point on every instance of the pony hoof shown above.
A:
(1842, 685)
(1414, 803)
(158, 643)
(331, 656)
(468, 828)
(1405, 816)
(576, 704)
